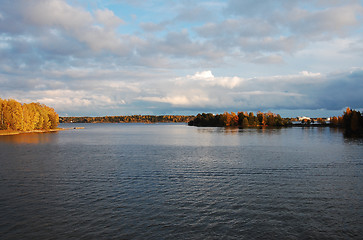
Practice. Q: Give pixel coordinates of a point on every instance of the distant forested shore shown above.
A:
(128, 119)
(17, 117)
(36, 117)
(241, 119)
(351, 121)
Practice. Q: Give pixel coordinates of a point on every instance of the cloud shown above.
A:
(56, 31)
(272, 59)
(153, 27)
(179, 101)
(56, 19)
(325, 23)
(206, 78)
(251, 27)
(282, 26)
(205, 75)
(253, 8)
(196, 14)
(305, 90)
(198, 92)
(124, 57)
(108, 18)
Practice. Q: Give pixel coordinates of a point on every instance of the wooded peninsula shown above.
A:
(16, 117)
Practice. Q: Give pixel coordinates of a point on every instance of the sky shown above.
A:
(125, 57)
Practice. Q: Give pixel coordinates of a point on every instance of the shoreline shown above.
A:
(10, 133)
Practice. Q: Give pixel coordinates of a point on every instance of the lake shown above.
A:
(172, 181)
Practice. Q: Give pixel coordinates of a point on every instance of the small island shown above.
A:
(18, 118)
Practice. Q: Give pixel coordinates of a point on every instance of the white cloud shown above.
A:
(310, 74)
(108, 18)
(206, 78)
(205, 75)
(181, 100)
(97, 31)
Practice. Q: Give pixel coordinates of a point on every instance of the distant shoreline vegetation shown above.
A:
(241, 119)
(33, 117)
(128, 119)
(351, 121)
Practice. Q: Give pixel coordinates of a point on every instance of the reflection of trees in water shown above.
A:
(239, 130)
(30, 138)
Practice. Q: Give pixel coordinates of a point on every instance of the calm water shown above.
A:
(171, 181)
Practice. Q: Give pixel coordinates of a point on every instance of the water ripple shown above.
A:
(72, 189)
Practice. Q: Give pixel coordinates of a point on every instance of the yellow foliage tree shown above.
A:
(26, 117)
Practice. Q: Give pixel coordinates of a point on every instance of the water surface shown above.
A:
(171, 181)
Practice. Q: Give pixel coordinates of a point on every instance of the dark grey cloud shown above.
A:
(342, 90)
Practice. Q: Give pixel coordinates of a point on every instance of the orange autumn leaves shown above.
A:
(26, 117)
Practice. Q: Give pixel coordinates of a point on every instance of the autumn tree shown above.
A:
(26, 117)
(27, 121)
(352, 121)
(231, 119)
(13, 115)
(252, 120)
(321, 121)
(261, 118)
(2, 120)
(52, 116)
(334, 121)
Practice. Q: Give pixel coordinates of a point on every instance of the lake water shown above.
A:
(171, 181)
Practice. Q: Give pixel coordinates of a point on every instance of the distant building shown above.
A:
(303, 118)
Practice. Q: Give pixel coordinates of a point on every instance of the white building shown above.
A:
(303, 118)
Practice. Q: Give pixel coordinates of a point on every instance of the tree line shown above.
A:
(351, 121)
(26, 117)
(35, 116)
(241, 119)
(128, 119)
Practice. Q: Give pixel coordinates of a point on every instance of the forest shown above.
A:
(15, 116)
(241, 119)
(128, 119)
